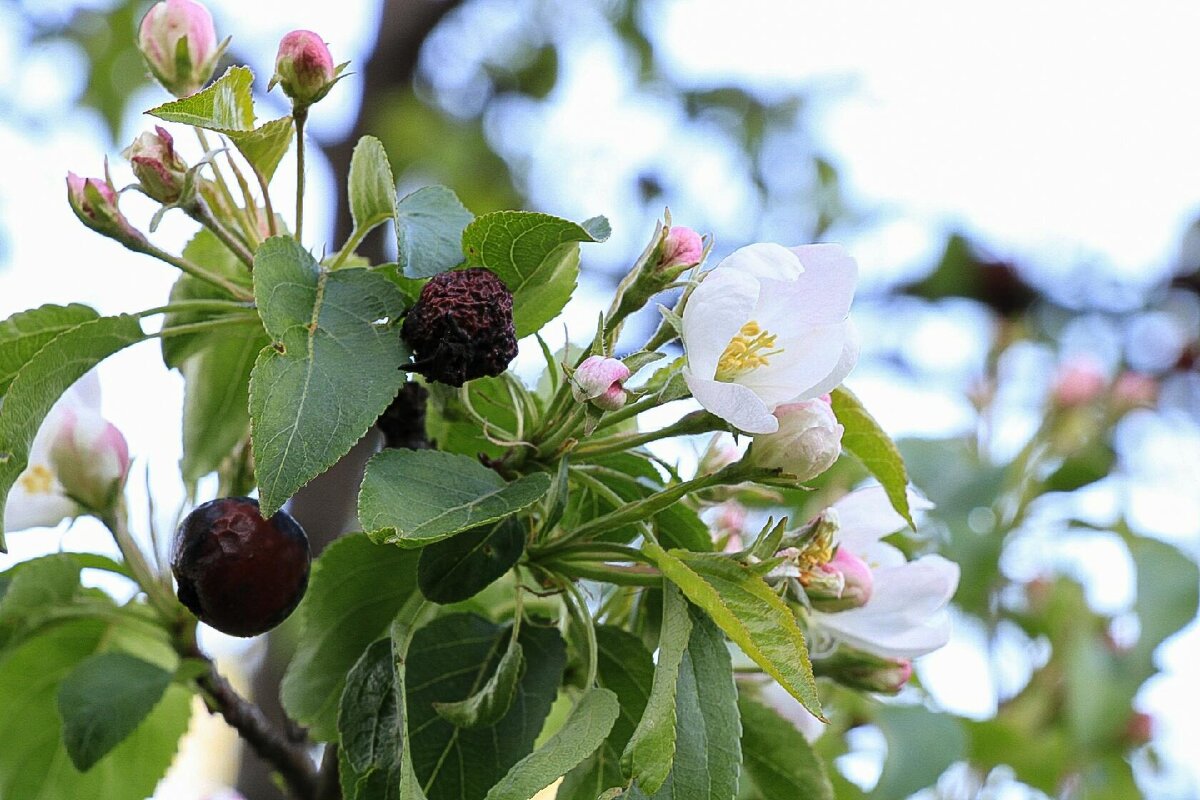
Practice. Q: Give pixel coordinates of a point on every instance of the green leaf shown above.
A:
(492, 701)
(103, 700)
(651, 750)
(355, 591)
(370, 726)
(708, 748)
(1168, 583)
(874, 448)
(216, 418)
(537, 257)
(460, 567)
(265, 146)
(911, 763)
(372, 188)
(206, 249)
(334, 365)
(579, 737)
(26, 332)
(451, 657)
(429, 231)
(43, 379)
(625, 667)
(749, 612)
(226, 105)
(778, 758)
(33, 588)
(415, 497)
(34, 762)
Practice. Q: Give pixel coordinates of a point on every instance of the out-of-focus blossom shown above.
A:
(304, 67)
(1134, 390)
(1079, 381)
(728, 526)
(599, 380)
(769, 326)
(77, 463)
(808, 441)
(159, 169)
(179, 43)
(906, 614)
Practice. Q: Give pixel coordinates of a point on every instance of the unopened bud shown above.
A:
(858, 670)
(304, 67)
(1134, 390)
(681, 248)
(850, 574)
(159, 170)
(94, 201)
(91, 459)
(599, 380)
(808, 441)
(179, 43)
(1079, 382)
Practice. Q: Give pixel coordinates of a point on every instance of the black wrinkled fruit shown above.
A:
(461, 327)
(236, 571)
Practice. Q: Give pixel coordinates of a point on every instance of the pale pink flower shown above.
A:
(807, 442)
(600, 380)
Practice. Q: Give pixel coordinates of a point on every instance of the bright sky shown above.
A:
(1062, 133)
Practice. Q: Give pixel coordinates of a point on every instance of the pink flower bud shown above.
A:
(682, 248)
(864, 671)
(90, 457)
(304, 67)
(94, 201)
(159, 170)
(729, 525)
(720, 453)
(179, 44)
(1134, 390)
(808, 441)
(1079, 382)
(599, 380)
(848, 572)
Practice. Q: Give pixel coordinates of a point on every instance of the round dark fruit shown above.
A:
(236, 571)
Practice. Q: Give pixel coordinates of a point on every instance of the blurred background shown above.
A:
(1019, 182)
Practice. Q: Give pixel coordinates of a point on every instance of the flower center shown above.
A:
(750, 349)
(37, 480)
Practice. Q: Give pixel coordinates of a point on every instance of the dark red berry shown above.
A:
(236, 571)
(461, 327)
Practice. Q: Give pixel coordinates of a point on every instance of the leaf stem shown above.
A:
(206, 325)
(607, 573)
(160, 599)
(695, 422)
(196, 305)
(195, 270)
(200, 212)
(300, 115)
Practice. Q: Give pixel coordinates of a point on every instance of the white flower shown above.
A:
(906, 614)
(807, 443)
(768, 326)
(77, 462)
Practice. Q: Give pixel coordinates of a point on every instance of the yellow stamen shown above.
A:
(37, 480)
(750, 349)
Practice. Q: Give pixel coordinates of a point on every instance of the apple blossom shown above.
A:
(682, 247)
(599, 380)
(179, 43)
(860, 670)
(159, 169)
(808, 441)
(906, 615)
(77, 463)
(769, 325)
(304, 67)
(94, 201)
(1079, 381)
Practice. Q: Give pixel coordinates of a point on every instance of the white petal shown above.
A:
(878, 555)
(866, 516)
(805, 360)
(827, 285)
(915, 590)
(841, 369)
(881, 637)
(732, 402)
(764, 260)
(715, 312)
(36, 510)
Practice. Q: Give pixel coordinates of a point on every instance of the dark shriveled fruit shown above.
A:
(236, 571)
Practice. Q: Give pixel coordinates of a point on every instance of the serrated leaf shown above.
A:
(777, 757)
(334, 365)
(43, 379)
(448, 658)
(355, 591)
(265, 146)
(26, 332)
(370, 726)
(750, 613)
(537, 257)
(708, 731)
(415, 497)
(103, 700)
(371, 186)
(34, 762)
(226, 105)
(625, 667)
(651, 750)
(874, 448)
(492, 701)
(460, 567)
(429, 231)
(216, 418)
(589, 722)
